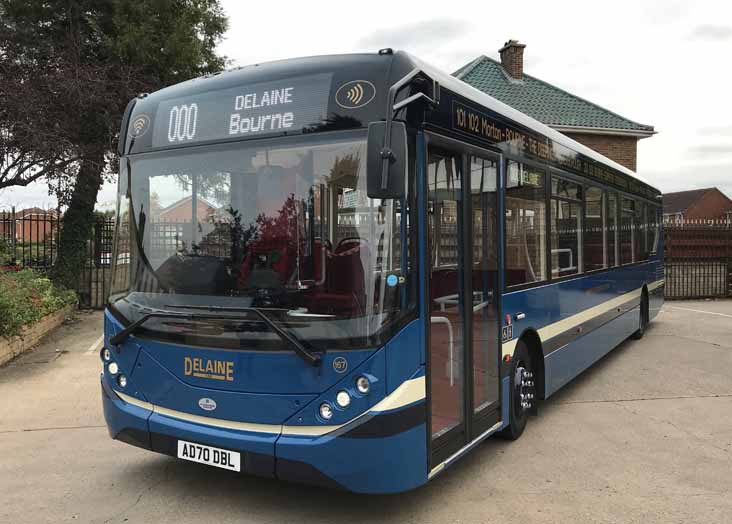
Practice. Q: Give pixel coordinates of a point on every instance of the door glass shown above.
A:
(446, 302)
(483, 177)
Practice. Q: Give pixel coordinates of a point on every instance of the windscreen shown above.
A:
(282, 226)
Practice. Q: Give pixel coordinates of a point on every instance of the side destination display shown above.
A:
(492, 128)
(256, 109)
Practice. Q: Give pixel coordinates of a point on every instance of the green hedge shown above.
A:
(26, 296)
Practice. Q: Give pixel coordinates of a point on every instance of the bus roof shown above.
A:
(458, 86)
(378, 67)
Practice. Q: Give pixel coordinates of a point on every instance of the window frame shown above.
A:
(584, 182)
(580, 229)
(605, 206)
(547, 171)
(633, 213)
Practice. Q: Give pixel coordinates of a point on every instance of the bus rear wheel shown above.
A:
(643, 322)
(522, 392)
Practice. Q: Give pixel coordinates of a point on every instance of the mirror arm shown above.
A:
(413, 98)
(387, 155)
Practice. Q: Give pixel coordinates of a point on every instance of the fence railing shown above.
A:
(698, 259)
(30, 238)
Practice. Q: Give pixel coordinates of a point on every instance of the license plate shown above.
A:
(220, 458)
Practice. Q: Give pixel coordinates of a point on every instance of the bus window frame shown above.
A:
(536, 166)
(605, 232)
(584, 182)
(580, 229)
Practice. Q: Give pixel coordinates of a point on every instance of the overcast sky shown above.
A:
(664, 62)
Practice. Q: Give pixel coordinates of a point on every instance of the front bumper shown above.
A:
(382, 451)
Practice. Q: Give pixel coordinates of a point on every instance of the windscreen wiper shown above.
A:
(311, 358)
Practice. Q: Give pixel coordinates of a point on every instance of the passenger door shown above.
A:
(463, 371)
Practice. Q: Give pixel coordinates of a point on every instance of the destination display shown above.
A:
(486, 127)
(270, 107)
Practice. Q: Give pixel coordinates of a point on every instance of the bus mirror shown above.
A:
(386, 162)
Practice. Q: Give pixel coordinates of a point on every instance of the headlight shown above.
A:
(363, 385)
(122, 381)
(106, 355)
(343, 399)
(113, 368)
(326, 412)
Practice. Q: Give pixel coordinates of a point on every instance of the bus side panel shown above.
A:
(403, 355)
(548, 304)
(562, 365)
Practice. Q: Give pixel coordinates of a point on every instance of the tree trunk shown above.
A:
(77, 222)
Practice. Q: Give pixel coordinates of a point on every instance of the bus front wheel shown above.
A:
(522, 392)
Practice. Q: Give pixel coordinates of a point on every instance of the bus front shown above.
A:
(263, 314)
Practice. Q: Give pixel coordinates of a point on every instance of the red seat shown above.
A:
(344, 290)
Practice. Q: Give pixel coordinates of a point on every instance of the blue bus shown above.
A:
(350, 270)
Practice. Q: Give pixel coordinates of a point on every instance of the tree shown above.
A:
(69, 69)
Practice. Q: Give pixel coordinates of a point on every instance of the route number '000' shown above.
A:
(182, 122)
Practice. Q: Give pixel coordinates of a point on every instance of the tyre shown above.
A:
(643, 322)
(522, 392)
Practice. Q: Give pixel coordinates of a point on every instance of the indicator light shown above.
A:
(363, 385)
(326, 412)
(122, 381)
(343, 399)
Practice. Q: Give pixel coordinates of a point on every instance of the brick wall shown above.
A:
(622, 149)
(712, 205)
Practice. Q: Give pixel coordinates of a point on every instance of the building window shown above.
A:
(525, 225)
(595, 230)
(566, 225)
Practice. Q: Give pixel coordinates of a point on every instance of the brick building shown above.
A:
(606, 132)
(697, 204)
(182, 211)
(33, 224)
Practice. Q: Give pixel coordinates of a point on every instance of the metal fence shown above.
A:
(30, 238)
(698, 259)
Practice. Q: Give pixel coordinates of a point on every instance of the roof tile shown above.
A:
(540, 100)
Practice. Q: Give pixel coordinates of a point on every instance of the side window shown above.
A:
(653, 229)
(595, 230)
(627, 231)
(641, 231)
(566, 227)
(612, 228)
(525, 225)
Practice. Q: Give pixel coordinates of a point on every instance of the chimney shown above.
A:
(512, 59)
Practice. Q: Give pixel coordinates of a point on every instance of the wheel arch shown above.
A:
(646, 302)
(530, 337)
